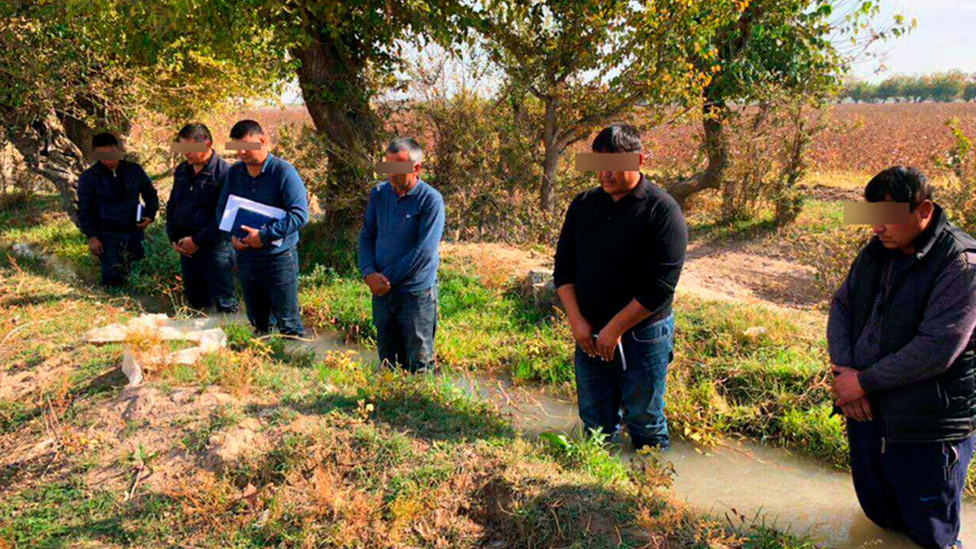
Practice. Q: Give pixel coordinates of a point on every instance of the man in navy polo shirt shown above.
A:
(108, 205)
(267, 258)
(398, 259)
(206, 258)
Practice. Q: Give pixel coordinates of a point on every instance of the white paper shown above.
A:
(139, 213)
(234, 203)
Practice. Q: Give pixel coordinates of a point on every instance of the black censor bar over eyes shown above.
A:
(876, 213)
(187, 147)
(107, 155)
(394, 167)
(607, 162)
(242, 146)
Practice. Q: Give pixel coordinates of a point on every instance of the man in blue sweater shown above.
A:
(109, 195)
(267, 257)
(398, 259)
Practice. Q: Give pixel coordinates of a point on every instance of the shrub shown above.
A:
(958, 195)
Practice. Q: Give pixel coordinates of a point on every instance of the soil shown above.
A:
(496, 264)
(737, 272)
(733, 272)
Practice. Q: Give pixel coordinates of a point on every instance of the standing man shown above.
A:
(618, 260)
(398, 259)
(267, 258)
(108, 205)
(206, 258)
(901, 341)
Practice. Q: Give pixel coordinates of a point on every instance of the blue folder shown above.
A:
(250, 218)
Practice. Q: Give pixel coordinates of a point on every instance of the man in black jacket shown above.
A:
(618, 260)
(900, 335)
(206, 257)
(109, 209)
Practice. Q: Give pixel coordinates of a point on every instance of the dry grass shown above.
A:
(309, 455)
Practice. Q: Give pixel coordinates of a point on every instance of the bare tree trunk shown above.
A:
(48, 151)
(334, 93)
(717, 152)
(550, 162)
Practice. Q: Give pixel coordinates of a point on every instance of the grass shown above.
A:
(345, 456)
(479, 327)
(770, 387)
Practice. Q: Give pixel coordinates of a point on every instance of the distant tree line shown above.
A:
(942, 87)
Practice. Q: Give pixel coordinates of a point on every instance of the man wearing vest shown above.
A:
(900, 336)
(109, 212)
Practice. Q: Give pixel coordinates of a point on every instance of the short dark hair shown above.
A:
(195, 131)
(618, 138)
(245, 128)
(902, 183)
(105, 139)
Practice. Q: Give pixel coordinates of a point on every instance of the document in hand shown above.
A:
(241, 211)
(139, 213)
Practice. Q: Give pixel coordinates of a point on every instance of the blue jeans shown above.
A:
(608, 394)
(119, 250)
(270, 287)
(208, 277)
(910, 487)
(406, 323)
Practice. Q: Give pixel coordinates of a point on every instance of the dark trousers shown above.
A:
(911, 487)
(119, 250)
(406, 323)
(270, 287)
(208, 278)
(608, 394)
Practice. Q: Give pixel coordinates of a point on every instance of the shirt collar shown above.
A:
(642, 189)
(416, 188)
(412, 192)
(103, 169)
(925, 241)
(211, 164)
(208, 168)
(639, 192)
(267, 162)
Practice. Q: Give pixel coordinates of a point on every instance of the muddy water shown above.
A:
(792, 493)
(787, 491)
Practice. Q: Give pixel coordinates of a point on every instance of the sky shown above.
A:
(944, 39)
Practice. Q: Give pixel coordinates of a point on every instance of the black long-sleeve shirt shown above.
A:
(618, 251)
(108, 201)
(192, 206)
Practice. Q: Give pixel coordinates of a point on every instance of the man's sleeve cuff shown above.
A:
(266, 236)
(869, 383)
(562, 280)
(649, 302)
